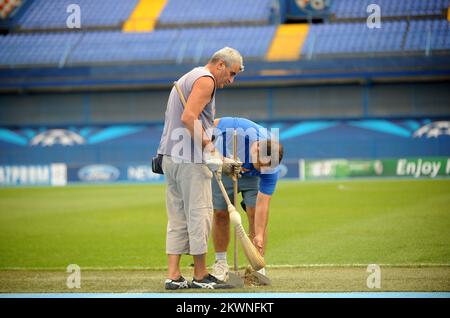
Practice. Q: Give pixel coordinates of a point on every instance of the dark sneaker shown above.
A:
(210, 282)
(180, 283)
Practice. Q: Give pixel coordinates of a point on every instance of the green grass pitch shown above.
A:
(314, 227)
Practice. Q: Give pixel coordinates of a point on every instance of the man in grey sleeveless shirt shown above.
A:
(188, 162)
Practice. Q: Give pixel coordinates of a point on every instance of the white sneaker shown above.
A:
(220, 270)
(262, 271)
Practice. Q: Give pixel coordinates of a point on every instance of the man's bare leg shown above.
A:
(173, 266)
(221, 230)
(200, 270)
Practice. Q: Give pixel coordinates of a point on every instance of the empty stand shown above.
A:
(354, 38)
(432, 34)
(116, 46)
(197, 44)
(178, 12)
(43, 14)
(389, 8)
(113, 46)
(37, 48)
(178, 31)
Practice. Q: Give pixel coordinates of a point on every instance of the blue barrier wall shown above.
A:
(125, 144)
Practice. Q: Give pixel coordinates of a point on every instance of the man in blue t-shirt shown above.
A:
(260, 152)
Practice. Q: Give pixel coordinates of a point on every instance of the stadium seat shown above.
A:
(211, 30)
(44, 14)
(341, 38)
(428, 34)
(115, 46)
(215, 11)
(358, 8)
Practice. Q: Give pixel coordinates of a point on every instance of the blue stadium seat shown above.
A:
(44, 14)
(341, 38)
(29, 49)
(115, 46)
(389, 8)
(428, 34)
(204, 11)
(195, 44)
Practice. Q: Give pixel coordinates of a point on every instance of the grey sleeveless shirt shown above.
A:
(176, 140)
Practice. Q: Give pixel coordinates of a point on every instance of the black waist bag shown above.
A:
(157, 164)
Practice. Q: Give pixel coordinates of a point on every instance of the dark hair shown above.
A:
(270, 145)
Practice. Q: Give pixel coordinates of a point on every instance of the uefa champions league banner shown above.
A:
(60, 174)
(426, 167)
(140, 173)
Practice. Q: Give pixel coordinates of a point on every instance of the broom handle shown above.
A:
(222, 188)
(235, 192)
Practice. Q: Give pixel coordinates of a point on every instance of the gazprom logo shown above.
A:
(98, 173)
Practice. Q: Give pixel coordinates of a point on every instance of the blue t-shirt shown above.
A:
(247, 133)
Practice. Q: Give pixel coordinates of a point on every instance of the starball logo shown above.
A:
(53, 137)
(433, 130)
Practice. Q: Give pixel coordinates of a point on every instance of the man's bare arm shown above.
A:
(261, 220)
(200, 96)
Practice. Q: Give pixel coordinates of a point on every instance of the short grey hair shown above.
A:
(229, 56)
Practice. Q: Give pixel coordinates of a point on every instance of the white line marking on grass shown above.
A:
(358, 265)
(87, 268)
(274, 266)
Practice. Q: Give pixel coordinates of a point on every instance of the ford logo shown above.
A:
(98, 173)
